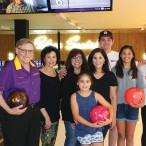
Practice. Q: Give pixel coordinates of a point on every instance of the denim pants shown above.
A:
(105, 130)
(71, 139)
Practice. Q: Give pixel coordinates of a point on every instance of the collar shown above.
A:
(18, 64)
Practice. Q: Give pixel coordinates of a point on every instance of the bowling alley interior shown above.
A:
(67, 29)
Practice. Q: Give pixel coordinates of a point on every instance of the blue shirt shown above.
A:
(85, 105)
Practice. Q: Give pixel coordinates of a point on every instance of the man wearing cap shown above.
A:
(106, 42)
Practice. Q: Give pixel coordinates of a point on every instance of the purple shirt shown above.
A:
(14, 76)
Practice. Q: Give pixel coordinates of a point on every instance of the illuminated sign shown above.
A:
(73, 42)
(42, 41)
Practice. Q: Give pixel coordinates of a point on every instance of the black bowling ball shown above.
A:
(18, 97)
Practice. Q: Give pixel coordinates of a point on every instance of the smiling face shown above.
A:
(77, 61)
(25, 53)
(50, 59)
(98, 60)
(106, 43)
(126, 56)
(84, 83)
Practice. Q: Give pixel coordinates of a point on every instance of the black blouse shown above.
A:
(102, 85)
(68, 87)
(50, 95)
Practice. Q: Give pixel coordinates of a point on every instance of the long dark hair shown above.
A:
(72, 53)
(119, 65)
(105, 67)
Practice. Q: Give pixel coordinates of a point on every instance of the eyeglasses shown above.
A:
(77, 57)
(25, 51)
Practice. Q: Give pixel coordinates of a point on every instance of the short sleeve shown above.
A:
(140, 82)
(6, 78)
(113, 79)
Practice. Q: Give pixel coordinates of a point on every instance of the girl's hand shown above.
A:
(47, 123)
(106, 122)
(17, 110)
(73, 125)
(96, 125)
(76, 122)
(101, 123)
(138, 105)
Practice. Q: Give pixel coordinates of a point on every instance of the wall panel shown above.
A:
(137, 40)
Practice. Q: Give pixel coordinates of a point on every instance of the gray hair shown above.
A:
(24, 41)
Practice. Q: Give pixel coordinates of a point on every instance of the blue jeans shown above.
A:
(71, 139)
(127, 112)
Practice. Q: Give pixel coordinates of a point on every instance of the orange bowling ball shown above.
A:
(18, 97)
(134, 95)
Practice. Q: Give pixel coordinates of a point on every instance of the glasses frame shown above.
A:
(25, 51)
(77, 58)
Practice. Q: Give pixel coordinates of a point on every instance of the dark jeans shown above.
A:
(71, 139)
(21, 130)
(105, 130)
(143, 115)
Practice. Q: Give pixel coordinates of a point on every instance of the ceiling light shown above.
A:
(62, 17)
(79, 27)
(69, 21)
(142, 28)
(5, 27)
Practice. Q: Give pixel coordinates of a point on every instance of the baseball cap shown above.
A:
(105, 33)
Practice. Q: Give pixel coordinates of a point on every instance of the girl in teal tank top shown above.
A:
(82, 102)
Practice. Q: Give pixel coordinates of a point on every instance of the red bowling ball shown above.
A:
(18, 97)
(99, 113)
(134, 95)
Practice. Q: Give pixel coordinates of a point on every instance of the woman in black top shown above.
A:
(104, 82)
(75, 63)
(50, 96)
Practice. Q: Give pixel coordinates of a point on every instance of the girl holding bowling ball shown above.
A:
(128, 76)
(50, 96)
(82, 102)
(105, 83)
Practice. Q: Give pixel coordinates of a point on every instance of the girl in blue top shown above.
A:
(82, 102)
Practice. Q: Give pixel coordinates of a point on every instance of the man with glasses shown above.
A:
(21, 127)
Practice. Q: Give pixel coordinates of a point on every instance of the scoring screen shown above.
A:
(72, 4)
